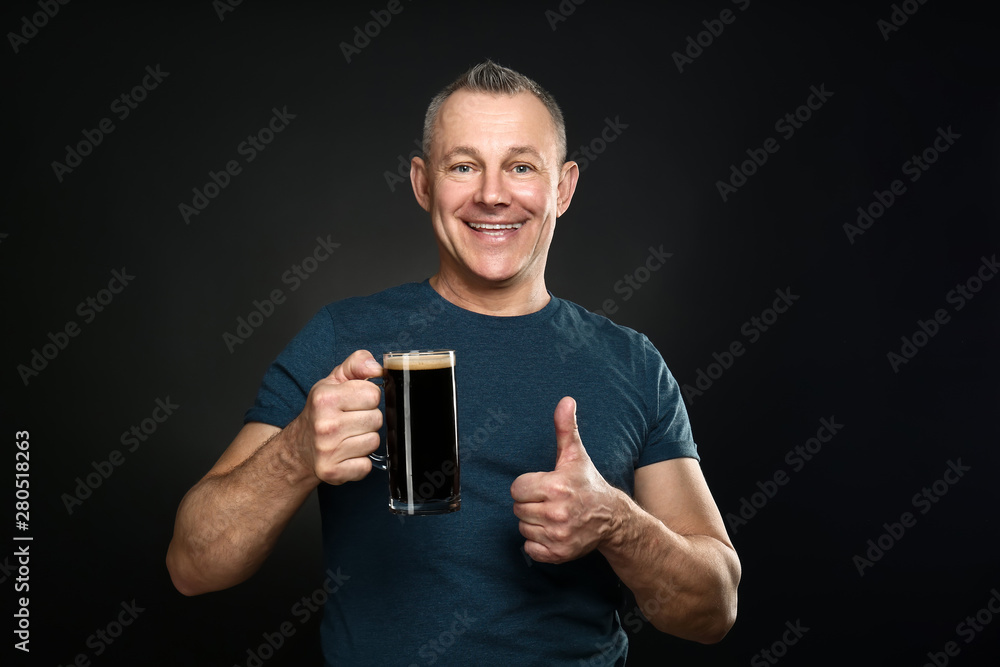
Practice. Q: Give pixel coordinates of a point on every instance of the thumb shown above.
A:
(569, 446)
(361, 365)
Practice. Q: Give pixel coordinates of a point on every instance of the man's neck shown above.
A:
(499, 301)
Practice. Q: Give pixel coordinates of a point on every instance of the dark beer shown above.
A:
(422, 433)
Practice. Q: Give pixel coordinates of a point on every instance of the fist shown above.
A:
(338, 427)
(566, 513)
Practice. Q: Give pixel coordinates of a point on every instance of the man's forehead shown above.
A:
(473, 101)
(466, 114)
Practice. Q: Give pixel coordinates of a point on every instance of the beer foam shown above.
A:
(422, 362)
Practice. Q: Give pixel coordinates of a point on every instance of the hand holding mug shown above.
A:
(338, 427)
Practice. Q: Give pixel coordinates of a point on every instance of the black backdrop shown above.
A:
(665, 119)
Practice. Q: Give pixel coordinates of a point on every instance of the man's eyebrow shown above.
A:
(461, 150)
(525, 150)
(473, 153)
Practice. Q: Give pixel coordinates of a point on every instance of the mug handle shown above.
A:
(378, 461)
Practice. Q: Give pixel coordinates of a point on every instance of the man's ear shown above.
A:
(568, 177)
(421, 182)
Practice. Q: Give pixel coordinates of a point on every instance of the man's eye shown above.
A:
(462, 168)
(522, 169)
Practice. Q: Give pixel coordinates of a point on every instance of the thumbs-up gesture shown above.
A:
(566, 513)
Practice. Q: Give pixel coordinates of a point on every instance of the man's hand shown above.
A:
(338, 427)
(567, 513)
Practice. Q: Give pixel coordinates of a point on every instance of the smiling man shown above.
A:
(494, 182)
(587, 477)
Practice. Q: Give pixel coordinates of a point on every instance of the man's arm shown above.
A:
(229, 521)
(670, 548)
(669, 545)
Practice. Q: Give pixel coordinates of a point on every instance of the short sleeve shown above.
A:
(669, 434)
(307, 359)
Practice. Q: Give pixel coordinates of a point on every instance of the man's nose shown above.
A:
(493, 190)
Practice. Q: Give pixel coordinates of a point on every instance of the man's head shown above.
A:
(492, 79)
(494, 179)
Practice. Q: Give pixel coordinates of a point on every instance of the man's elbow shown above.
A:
(186, 587)
(183, 576)
(716, 631)
(722, 616)
(712, 628)
(712, 614)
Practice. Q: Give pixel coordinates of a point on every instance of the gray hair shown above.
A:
(488, 77)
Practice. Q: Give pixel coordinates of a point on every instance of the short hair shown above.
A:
(488, 77)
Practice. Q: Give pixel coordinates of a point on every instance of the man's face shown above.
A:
(493, 188)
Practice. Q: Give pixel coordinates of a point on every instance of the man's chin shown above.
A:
(490, 277)
(495, 280)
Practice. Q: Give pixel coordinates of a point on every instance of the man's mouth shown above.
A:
(494, 229)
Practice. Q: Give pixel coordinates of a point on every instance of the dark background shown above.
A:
(325, 176)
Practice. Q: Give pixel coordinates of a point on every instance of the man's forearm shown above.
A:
(684, 584)
(228, 523)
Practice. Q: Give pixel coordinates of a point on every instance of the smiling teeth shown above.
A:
(477, 225)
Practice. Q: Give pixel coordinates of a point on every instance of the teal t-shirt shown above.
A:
(457, 589)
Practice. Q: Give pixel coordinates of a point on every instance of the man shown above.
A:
(553, 520)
